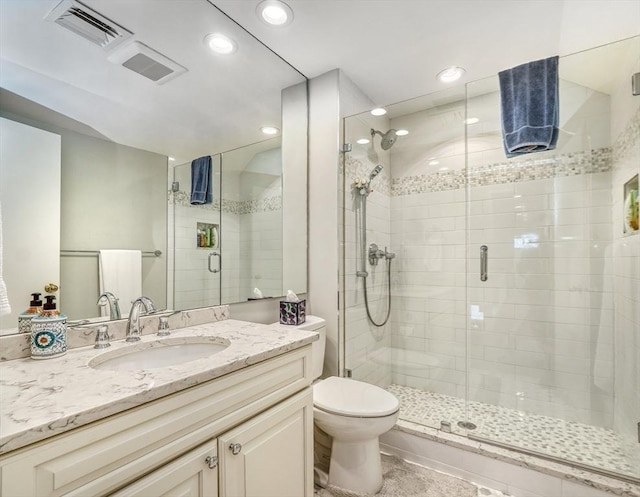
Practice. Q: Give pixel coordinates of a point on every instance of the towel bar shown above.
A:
(71, 253)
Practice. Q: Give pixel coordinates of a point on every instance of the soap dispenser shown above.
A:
(48, 331)
(24, 319)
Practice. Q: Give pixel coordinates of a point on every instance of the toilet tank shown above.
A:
(319, 325)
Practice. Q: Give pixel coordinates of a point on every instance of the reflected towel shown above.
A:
(201, 181)
(5, 307)
(121, 274)
(529, 103)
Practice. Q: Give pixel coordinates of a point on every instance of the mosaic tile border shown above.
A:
(238, 207)
(628, 141)
(567, 440)
(562, 165)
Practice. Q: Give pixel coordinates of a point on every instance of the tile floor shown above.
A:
(407, 479)
(591, 446)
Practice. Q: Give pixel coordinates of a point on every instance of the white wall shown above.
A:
(324, 141)
(332, 96)
(295, 187)
(113, 196)
(30, 196)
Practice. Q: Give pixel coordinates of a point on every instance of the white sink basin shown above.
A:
(159, 353)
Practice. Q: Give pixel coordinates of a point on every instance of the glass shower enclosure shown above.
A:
(515, 287)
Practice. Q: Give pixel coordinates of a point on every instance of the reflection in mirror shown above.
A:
(226, 249)
(115, 130)
(252, 254)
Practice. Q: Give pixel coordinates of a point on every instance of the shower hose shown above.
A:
(366, 297)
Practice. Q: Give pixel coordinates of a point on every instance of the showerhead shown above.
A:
(375, 172)
(388, 138)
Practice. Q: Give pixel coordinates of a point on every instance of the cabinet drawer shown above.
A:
(105, 455)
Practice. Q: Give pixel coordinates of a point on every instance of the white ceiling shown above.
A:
(391, 49)
(217, 105)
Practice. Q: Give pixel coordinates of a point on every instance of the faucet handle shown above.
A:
(163, 327)
(102, 337)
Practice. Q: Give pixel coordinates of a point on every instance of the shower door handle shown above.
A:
(484, 262)
(211, 256)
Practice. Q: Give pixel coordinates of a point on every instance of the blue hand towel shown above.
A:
(529, 99)
(201, 181)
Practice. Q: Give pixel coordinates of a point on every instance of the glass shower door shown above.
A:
(196, 242)
(541, 243)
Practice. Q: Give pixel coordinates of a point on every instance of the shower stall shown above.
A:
(515, 286)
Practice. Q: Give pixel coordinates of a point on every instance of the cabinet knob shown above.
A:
(211, 461)
(235, 449)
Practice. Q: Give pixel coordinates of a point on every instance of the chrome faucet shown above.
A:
(114, 307)
(133, 324)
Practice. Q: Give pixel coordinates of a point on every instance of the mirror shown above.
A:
(117, 130)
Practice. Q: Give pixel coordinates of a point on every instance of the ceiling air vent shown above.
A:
(87, 23)
(147, 62)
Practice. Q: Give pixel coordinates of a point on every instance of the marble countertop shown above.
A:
(42, 398)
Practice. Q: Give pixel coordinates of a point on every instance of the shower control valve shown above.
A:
(375, 254)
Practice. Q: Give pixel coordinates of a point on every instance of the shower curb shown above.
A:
(499, 468)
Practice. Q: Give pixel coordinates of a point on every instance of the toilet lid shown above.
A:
(348, 397)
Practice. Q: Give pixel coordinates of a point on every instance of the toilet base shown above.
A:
(356, 466)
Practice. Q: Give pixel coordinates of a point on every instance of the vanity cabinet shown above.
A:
(257, 421)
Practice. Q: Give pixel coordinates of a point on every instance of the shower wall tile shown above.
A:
(543, 282)
(626, 272)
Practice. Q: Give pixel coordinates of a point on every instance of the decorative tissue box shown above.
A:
(292, 312)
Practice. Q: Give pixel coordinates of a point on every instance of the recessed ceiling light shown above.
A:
(444, 168)
(362, 141)
(471, 120)
(274, 12)
(220, 43)
(378, 111)
(172, 158)
(433, 162)
(269, 130)
(450, 74)
(401, 132)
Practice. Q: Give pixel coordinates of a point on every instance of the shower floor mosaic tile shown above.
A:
(590, 446)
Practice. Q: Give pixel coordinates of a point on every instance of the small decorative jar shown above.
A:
(48, 332)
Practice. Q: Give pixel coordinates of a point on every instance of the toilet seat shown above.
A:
(347, 397)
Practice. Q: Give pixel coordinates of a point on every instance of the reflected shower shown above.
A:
(388, 138)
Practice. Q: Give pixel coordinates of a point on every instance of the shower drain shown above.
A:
(467, 425)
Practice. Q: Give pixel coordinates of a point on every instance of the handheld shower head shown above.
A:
(375, 172)
(388, 138)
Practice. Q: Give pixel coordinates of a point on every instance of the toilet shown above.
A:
(354, 414)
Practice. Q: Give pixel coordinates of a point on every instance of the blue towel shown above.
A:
(529, 99)
(201, 181)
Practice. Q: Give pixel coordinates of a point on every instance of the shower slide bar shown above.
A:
(89, 253)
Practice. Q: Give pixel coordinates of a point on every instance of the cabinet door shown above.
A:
(270, 455)
(194, 474)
